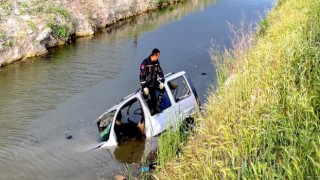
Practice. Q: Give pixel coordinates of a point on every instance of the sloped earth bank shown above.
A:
(29, 28)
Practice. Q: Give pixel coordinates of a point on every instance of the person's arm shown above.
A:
(143, 74)
(160, 72)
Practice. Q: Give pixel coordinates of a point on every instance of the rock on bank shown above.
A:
(28, 28)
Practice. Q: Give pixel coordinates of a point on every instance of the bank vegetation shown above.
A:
(262, 122)
(29, 27)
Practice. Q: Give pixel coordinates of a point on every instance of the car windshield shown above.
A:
(104, 123)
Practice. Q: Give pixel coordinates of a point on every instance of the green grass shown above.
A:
(62, 31)
(3, 35)
(171, 142)
(263, 120)
(10, 43)
(32, 25)
(5, 8)
(61, 11)
(57, 18)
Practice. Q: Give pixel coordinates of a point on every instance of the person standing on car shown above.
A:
(150, 69)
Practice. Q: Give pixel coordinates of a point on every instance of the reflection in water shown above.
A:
(45, 99)
(131, 151)
(151, 21)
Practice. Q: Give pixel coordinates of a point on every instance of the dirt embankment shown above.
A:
(29, 27)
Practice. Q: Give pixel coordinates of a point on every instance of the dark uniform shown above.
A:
(149, 70)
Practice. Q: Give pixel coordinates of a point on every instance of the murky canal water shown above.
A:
(46, 99)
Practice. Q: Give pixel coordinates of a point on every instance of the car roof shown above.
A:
(168, 77)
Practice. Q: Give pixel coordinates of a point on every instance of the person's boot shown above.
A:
(158, 109)
(159, 102)
(152, 111)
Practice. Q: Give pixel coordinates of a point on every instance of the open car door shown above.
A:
(130, 120)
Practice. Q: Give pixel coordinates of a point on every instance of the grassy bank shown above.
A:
(30, 28)
(263, 121)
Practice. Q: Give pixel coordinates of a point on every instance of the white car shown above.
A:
(131, 117)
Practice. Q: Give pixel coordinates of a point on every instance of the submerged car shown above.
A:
(131, 117)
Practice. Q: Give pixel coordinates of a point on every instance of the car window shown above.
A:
(104, 124)
(179, 88)
(132, 111)
(165, 101)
